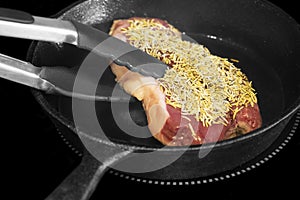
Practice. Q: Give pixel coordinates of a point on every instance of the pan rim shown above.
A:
(288, 112)
(39, 96)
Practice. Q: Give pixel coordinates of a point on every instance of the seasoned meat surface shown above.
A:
(167, 122)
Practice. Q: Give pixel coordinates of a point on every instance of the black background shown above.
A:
(34, 159)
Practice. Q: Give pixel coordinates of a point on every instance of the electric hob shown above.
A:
(36, 158)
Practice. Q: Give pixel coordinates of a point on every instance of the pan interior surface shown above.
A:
(263, 38)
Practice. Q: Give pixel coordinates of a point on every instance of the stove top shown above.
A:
(35, 158)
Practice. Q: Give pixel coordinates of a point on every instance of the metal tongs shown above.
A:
(19, 24)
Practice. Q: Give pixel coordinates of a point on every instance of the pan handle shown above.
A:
(82, 181)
